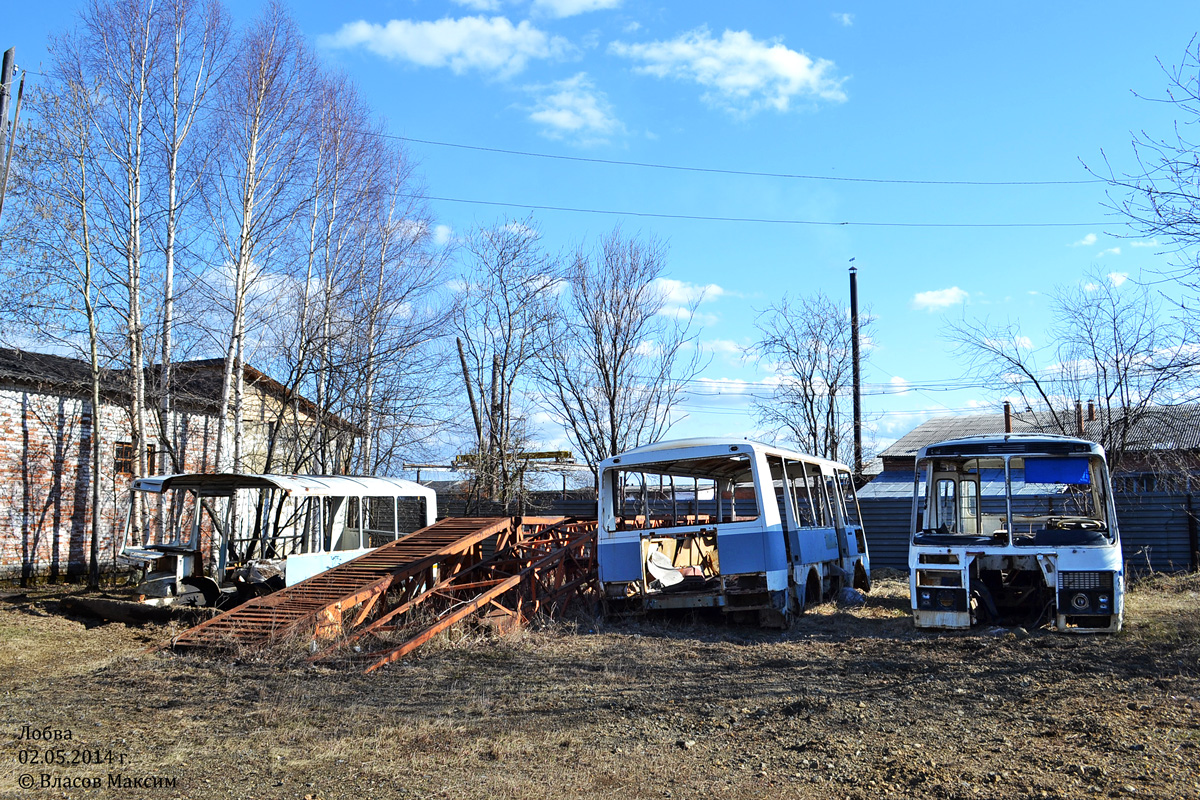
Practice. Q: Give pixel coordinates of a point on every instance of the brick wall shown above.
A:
(45, 478)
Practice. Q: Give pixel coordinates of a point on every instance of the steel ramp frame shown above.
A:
(319, 605)
(545, 569)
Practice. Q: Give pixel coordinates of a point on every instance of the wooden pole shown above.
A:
(6, 75)
(858, 465)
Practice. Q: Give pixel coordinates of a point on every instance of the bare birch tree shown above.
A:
(196, 40)
(55, 270)
(616, 359)
(400, 390)
(116, 50)
(265, 112)
(506, 301)
(807, 342)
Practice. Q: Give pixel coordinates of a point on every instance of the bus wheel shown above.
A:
(812, 589)
(862, 581)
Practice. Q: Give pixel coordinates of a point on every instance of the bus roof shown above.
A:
(1001, 444)
(225, 483)
(682, 448)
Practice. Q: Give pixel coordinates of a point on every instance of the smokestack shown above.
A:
(1091, 411)
(1079, 416)
(1007, 417)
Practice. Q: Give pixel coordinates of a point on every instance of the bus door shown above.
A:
(817, 534)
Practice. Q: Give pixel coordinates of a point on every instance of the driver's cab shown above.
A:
(1017, 500)
(1015, 529)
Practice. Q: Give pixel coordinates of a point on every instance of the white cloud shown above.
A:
(843, 19)
(1086, 241)
(738, 72)
(684, 314)
(681, 293)
(574, 108)
(938, 299)
(569, 8)
(493, 46)
(1112, 251)
(899, 385)
(1117, 278)
(480, 5)
(519, 228)
(724, 347)
(648, 348)
(633, 27)
(1149, 243)
(442, 234)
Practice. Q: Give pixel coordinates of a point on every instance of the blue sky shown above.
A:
(913, 122)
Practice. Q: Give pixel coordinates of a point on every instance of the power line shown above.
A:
(688, 217)
(750, 173)
(693, 168)
(763, 220)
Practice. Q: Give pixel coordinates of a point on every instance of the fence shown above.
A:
(1158, 529)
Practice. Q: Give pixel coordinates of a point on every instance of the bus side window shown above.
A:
(825, 518)
(835, 500)
(849, 499)
(805, 508)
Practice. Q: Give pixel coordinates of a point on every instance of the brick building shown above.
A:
(46, 425)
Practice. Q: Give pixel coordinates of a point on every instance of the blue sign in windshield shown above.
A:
(1071, 470)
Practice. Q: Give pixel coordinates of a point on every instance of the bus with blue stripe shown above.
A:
(731, 524)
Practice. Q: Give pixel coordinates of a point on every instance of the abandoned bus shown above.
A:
(1015, 529)
(299, 525)
(727, 524)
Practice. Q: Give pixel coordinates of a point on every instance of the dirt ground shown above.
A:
(850, 703)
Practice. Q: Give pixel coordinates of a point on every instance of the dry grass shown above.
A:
(851, 702)
(1162, 608)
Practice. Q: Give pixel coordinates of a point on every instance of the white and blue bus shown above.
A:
(1015, 529)
(729, 524)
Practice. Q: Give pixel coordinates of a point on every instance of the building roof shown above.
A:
(45, 371)
(196, 384)
(1154, 428)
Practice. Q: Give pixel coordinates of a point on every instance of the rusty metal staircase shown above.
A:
(531, 565)
(316, 606)
(543, 569)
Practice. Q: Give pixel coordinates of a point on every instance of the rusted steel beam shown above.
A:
(387, 657)
(330, 617)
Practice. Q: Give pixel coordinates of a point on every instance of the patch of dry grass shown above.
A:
(850, 702)
(1162, 607)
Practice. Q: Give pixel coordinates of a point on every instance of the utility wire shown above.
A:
(764, 220)
(660, 215)
(750, 173)
(693, 168)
